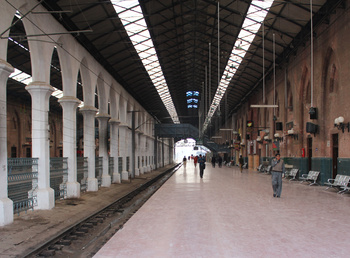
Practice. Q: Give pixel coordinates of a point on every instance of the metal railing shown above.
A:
(82, 172)
(59, 177)
(22, 183)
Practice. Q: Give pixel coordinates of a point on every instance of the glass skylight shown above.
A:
(251, 25)
(131, 16)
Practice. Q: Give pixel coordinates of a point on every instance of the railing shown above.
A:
(98, 169)
(59, 177)
(22, 182)
(82, 172)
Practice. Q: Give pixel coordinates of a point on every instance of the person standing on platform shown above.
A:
(220, 161)
(213, 161)
(277, 170)
(241, 161)
(201, 161)
(184, 161)
(195, 160)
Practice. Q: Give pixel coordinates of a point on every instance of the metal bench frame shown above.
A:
(312, 177)
(292, 173)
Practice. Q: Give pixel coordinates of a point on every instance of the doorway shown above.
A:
(335, 150)
(309, 152)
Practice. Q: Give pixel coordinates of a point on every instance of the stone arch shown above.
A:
(69, 65)
(102, 97)
(88, 89)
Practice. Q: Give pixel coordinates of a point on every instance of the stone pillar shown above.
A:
(123, 149)
(89, 114)
(114, 148)
(69, 108)
(103, 152)
(40, 93)
(6, 204)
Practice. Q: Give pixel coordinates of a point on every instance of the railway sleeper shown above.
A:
(47, 253)
(64, 242)
(55, 247)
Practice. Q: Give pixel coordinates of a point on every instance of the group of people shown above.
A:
(278, 169)
(216, 159)
(197, 159)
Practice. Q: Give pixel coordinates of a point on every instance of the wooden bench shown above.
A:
(311, 177)
(292, 173)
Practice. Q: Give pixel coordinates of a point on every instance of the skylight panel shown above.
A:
(131, 16)
(255, 16)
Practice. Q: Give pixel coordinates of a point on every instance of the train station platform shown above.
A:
(233, 214)
(32, 229)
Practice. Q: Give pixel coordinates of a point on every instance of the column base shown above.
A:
(116, 178)
(73, 190)
(6, 211)
(137, 171)
(106, 181)
(125, 175)
(92, 185)
(45, 199)
(149, 168)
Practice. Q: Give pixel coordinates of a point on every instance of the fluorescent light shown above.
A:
(130, 14)
(264, 106)
(255, 16)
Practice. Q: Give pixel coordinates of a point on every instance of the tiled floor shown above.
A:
(233, 214)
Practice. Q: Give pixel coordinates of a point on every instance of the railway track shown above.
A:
(86, 237)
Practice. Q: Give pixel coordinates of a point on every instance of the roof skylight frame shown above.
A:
(131, 16)
(253, 19)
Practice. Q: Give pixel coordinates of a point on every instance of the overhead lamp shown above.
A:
(292, 133)
(258, 139)
(228, 129)
(267, 139)
(339, 123)
(264, 106)
(278, 137)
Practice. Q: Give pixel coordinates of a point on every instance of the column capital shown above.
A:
(6, 67)
(38, 86)
(88, 109)
(102, 116)
(123, 125)
(114, 121)
(69, 99)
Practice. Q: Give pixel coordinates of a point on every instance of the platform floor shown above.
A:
(233, 214)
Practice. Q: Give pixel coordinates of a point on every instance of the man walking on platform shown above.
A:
(201, 161)
(277, 170)
(241, 161)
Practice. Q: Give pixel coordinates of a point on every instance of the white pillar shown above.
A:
(103, 152)
(40, 93)
(114, 149)
(123, 149)
(6, 204)
(89, 114)
(69, 108)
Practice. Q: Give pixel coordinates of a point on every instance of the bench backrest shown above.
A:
(313, 175)
(294, 171)
(344, 181)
